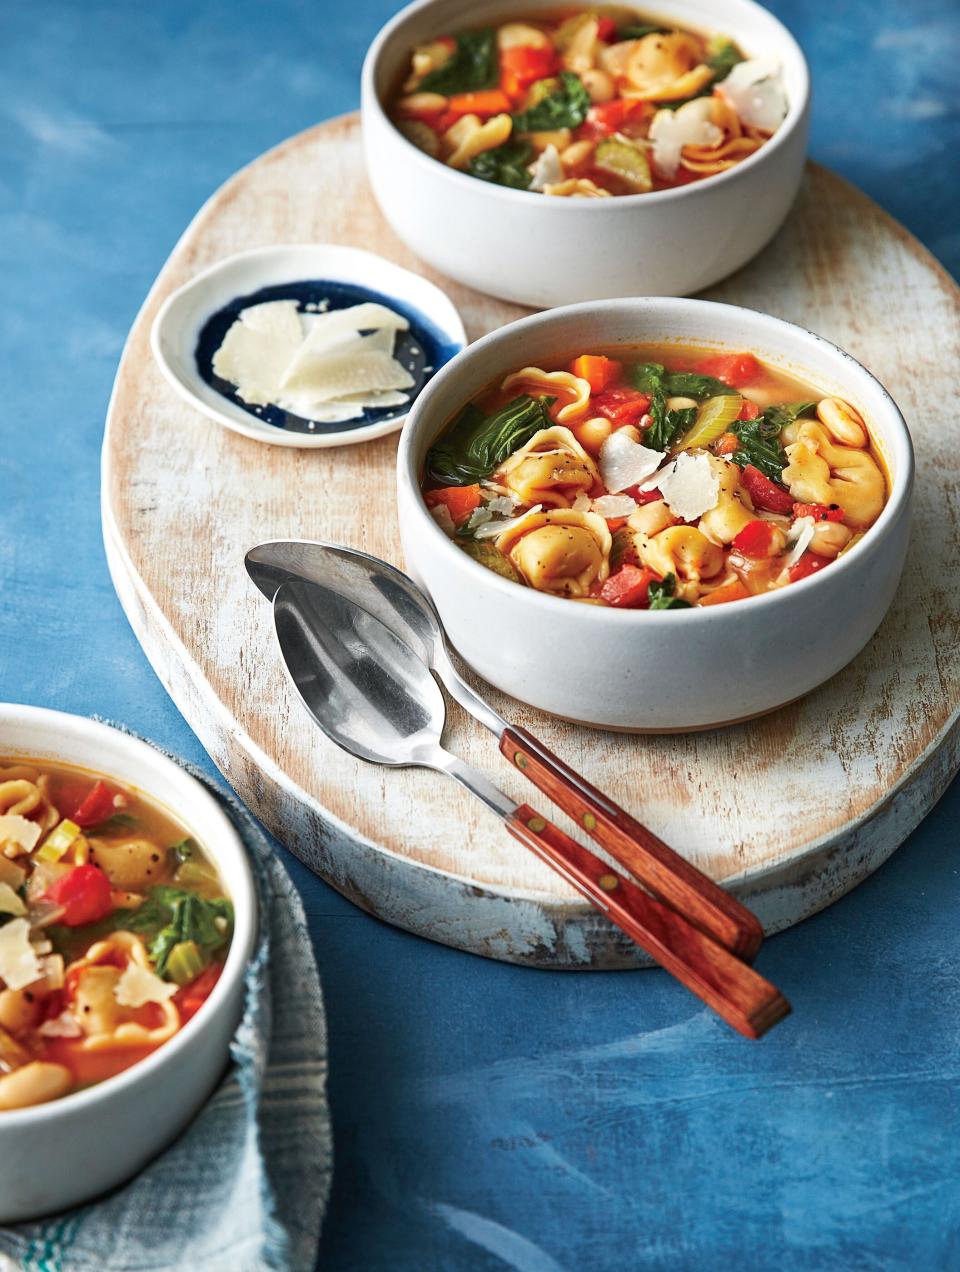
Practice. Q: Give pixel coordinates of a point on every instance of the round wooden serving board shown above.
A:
(791, 810)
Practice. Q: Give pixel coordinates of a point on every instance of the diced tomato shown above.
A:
(819, 512)
(522, 66)
(727, 444)
(192, 997)
(621, 405)
(614, 523)
(755, 539)
(735, 369)
(765, 493)
(732, 591)
(100, 802)
(749, 410)
(460, 501)
(808, 564)
(489, 101)
(605, 118)
(597, 370)
(643, 496)
(606, 30)
(629, 588)
(84, 892)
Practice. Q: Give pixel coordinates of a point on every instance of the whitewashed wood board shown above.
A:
(790, 811)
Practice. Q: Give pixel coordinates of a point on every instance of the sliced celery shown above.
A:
(713, 419)
(622, 159)
(59, 842)
(194, 875)
(492, 558)
(185, 963)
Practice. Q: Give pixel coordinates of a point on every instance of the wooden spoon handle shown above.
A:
(661, 870)
(733, 989)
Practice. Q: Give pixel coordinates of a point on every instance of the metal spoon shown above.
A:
(394, 599)
(373, 696)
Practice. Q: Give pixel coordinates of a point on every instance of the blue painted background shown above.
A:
(486, 1117)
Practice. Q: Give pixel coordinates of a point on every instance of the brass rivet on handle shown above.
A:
(520, 760)
(608, 882)
(536, 824)
(589, 821)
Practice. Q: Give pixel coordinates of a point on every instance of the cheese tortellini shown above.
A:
(562, 551)
(819, 471)
(553, 468)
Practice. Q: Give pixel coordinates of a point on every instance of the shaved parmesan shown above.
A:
(671, 130)
(277, 318)
(614, 506)
(493, 529)
(18, 830)
(10, 903)
(502, 505)
(546, 169)
(139, 985)
(19, 965)
(755, 91)
(63, 1026)
(317, 365)
(624, 462)
(441, 515)
(582, 502)
(689, 486)
(799, 539)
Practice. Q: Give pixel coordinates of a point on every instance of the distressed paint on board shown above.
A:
(183, 499)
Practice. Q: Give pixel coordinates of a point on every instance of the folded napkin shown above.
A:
(245, 1187)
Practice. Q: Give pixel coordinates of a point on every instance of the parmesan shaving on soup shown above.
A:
(19, 831)
(624, 462)
(19, 964)
(671, 130)
(328, 367)
(689, 485)
(755, 92)
(139, 986)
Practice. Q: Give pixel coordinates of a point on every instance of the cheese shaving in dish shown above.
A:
(689, 486)
(19, 965)
(671, 130)
(755, 91)
(800, 536)
(624, 462)
(10, 903)
(316, 365)
(610, 506)
(441, 515)
(139, 986)
(18, 830)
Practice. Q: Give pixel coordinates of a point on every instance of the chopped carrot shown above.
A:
(614, 523)
(460, 501)
(521, 66)
(732, 591)
(735, 369)
(489, 101)
(727, 443)
(749, 410)
(597, 370)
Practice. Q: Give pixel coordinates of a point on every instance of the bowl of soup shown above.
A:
(549, 155)
(656, 514)
(127, 917)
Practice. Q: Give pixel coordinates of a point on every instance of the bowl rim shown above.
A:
(898, 500)
(797, 110)
(451, 326)
(240, 886)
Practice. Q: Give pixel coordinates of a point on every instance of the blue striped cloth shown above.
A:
(246, 1185)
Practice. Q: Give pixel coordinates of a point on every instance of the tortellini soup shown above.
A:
(588, 103)
(658, 477)
(114, 927)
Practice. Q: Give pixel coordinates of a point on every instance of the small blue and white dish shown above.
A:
(192, 322)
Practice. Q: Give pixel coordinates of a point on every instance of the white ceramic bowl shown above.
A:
(541, 251)
(62, 1153)
(182, 316)
(657, 671)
